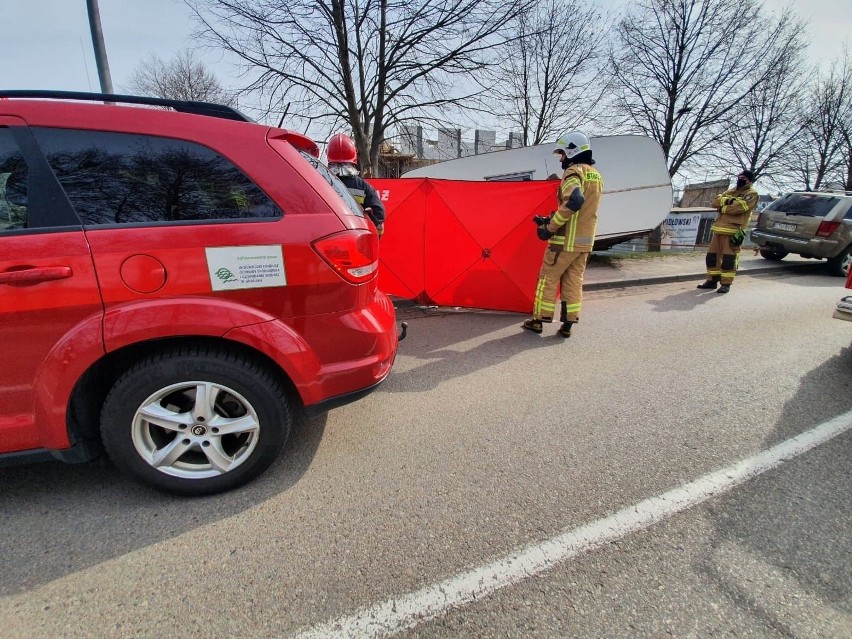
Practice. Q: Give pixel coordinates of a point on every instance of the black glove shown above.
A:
(543, 233)
(738, 238)
(541, 219)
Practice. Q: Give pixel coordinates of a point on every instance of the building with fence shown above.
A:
(412, 148)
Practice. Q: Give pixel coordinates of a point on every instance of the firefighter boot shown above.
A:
(533, 325)
(724, 288)
(709, 284)
(565, 329)
(563, 315)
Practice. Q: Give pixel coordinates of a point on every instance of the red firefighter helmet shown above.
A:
(341, 149)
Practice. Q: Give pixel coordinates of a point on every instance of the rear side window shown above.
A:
(13, 184)
(338, 186)
(120, 178)
(804, 204)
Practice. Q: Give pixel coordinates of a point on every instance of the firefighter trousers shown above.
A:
(564, 270)
(722, 259)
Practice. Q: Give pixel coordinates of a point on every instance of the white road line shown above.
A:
(404, 612)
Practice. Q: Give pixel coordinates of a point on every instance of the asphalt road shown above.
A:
(487, 441)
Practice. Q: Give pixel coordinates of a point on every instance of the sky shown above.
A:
(46, 44)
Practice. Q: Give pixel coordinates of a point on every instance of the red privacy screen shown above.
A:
(469, 244)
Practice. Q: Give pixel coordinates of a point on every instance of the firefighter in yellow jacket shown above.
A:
(729, 231)
(570, 235)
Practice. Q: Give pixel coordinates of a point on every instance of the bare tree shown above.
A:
(550, 78)
(682, 66)
(763, 125)
(846, 132)
(366, 65)
(181, 78)
(822, 149)
(845, 173)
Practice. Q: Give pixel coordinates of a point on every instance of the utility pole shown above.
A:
(100, 47)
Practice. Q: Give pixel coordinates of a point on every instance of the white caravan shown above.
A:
(637, 187)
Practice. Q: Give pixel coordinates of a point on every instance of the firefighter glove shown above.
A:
(738, 238)
(541, 219)
(543, 233)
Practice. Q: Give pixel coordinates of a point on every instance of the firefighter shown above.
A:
(570, 235)
(729, 232)
(343, 162)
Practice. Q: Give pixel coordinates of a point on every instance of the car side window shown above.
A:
(121, 178)
(335, 182)
(13, 184)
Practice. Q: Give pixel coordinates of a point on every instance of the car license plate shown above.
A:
(785, 227)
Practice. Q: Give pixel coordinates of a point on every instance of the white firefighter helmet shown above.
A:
(572, 143)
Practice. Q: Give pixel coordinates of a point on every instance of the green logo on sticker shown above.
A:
(225, 275)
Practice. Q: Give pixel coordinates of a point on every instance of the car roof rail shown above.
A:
(183, 106)
(834, 191)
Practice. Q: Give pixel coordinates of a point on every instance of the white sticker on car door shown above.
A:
(237, 267)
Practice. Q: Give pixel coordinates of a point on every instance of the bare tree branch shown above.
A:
(181, 78)
(361, 64)
(550, 79)
(761, 128)
(681, 67)
(822, 148)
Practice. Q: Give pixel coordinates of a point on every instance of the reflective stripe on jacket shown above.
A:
(575, 230)
(735, 207)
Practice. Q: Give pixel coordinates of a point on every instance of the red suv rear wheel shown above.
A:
(195, 421)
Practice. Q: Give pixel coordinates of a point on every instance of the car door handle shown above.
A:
(35, 274)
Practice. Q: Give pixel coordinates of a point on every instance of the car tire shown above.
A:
(154, 427)
(773, 255)
(840, 264)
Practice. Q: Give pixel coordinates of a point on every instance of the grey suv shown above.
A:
(810, 224)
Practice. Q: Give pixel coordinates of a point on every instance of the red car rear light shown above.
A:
(354, 254)
(827, 228)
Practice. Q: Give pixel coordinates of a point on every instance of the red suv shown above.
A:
(175, 282)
